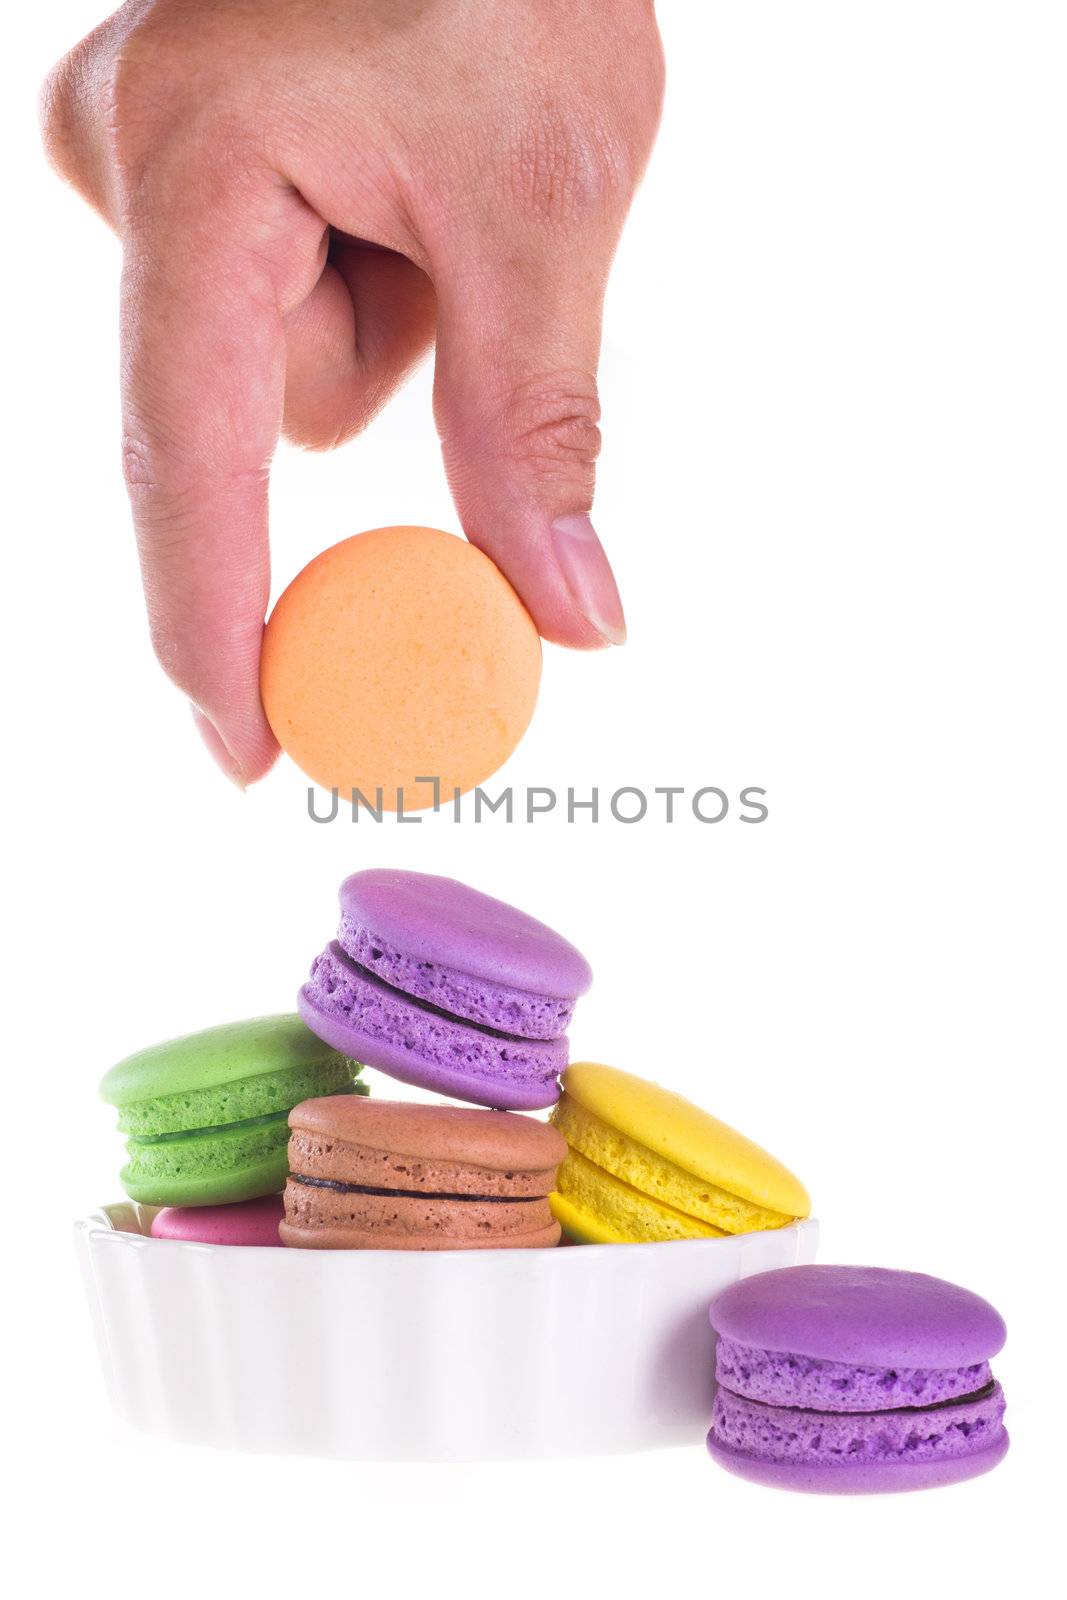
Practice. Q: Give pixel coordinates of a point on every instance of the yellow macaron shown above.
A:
(646, 1165)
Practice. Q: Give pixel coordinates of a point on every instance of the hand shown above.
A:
(308, 195)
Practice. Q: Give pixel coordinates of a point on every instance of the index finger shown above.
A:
(203, 375)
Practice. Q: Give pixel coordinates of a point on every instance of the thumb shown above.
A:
(516, 402)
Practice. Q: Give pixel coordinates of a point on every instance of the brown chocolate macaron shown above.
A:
(389, 1175)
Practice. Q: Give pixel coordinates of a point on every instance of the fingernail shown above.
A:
(589, 576)
(217, 747)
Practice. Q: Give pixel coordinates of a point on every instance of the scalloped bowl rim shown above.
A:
(485, 1354)
(102, 1224)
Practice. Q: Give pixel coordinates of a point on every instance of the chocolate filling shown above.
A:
(414, 1194)
(983, 1393)
(341, 955)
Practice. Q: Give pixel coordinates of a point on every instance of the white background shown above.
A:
(833, 490)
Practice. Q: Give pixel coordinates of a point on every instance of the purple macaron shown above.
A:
(448, 989)
(855, 1380)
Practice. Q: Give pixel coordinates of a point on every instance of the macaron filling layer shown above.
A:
(223, 1105)
(340, 989)
(656, 1179)
(490, 1004)
(777, 1378)
(960, 1427)
(198, 1149)
(272, 1117)
(599, 1208)
(413, 1194)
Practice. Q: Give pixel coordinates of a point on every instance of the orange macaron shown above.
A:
(396, 657)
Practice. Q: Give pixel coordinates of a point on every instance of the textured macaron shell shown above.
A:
(886, 1474)
(205, 1115)
(681, 1134)
(375, 1024)
(459, 1135)
(397, 655)
(446, 923)
(675, 1193)
(216, 1167)
(838, 1440)
(244, 1100)
(394, 1175)
(249, 1222)
(778, 1378)
(333, 1219)
(646, 1165)
(213, 1058)
(479, 1000)
(594, 1206)
(869, 1316)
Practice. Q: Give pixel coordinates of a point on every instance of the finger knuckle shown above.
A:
(147, 464)
(551, 427)
(172, 107)
(154, 461)
(172, 472)
(113, 90)
(565, 169)
(145, 92)
(62, 114)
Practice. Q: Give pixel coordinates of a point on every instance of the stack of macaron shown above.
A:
(450, 990)
(855, 1380)
(839, 1379)
(205, 1119)
(442, 987)
(428, 980)
(447, 989)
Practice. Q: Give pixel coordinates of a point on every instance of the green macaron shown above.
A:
(206, 1116)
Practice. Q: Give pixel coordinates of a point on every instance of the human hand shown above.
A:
(308, 195)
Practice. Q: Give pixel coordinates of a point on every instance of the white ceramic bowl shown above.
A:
(408, 1356)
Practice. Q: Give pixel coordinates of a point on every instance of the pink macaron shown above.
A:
(247, 1222)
